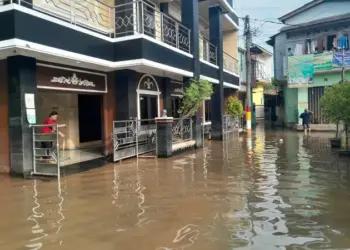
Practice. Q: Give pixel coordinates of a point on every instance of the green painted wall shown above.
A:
(303, 101)
(291, 105)
(332, 78)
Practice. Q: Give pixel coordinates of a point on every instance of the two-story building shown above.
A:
(308, 56)
(95, 62)
(261, 77)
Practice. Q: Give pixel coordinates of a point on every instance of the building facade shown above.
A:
(308, 56)
(95, 62)
(261, 77)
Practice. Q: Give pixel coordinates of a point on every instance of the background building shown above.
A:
(308, 56)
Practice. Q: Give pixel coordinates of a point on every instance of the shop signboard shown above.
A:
(300, 69)
(323, 61)
(60, 78)
(338, 59)
(176, 89)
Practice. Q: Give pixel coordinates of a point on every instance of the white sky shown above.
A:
(265, 10)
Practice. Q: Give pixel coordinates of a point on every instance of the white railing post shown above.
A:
(137, 136)
(191, 129)
(162, 27)
(177, 34)
(216, 55)
(189, 41)
(58, 152)
(142, 18)
(34, 160)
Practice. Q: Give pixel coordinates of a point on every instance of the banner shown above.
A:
(338, 59)
(323, 61)
(300, 69)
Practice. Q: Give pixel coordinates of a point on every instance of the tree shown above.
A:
(336, 105)
(194, 96)
(329, 103)
(234, 107)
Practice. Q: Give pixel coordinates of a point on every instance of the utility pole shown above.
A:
(248, 43)
(343, 68)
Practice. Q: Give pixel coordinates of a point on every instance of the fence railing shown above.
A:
(230, 63)
(230, 124)
(208, 51)
(182, 130)
(133, 138)
(143, 18)
(46, 150)
(136, 17)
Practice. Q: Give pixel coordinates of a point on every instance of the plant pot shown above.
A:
(335, 142)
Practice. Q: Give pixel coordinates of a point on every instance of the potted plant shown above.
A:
(331, 103)
(234, 107)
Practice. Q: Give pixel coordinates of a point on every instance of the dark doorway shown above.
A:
(90, 116)
(175, 107)
(148, 107)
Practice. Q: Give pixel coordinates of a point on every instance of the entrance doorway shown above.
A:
(90, 118)
(148, 106)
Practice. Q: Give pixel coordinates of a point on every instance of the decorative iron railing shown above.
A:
(182, 130)
(143, 18)
(230, 63)
(208, 51)
(136, 17)
(231, 124)
(133, 138)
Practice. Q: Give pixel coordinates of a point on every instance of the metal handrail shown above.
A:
(230, 63)
(142, 18)
(208, 51)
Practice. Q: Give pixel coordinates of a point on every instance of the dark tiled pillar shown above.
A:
(126, 96)
(189, 16)
(164, 137)
(166, 95)
(190, 19)
(21, 73)
(217, 99)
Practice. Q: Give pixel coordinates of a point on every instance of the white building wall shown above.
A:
(324, 10)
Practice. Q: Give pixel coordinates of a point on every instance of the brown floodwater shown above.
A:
(278, 190)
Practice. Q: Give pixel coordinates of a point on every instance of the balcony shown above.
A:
(230, 64)
(123, 20)
(208, 51)
(139, 17)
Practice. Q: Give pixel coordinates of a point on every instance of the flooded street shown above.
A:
(280, 190)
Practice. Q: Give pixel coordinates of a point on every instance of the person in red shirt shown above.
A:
(51, 120)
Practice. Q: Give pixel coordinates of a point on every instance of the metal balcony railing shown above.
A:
(141, 17)
(208, 51)
(230, 63)
(136, 17)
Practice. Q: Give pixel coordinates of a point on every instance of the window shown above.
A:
(207, 109)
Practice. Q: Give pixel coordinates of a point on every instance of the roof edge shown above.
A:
(300, 9)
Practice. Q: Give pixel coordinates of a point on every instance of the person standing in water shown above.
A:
(306, 120)
(52, 121)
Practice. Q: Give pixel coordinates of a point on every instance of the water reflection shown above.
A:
(275, 190)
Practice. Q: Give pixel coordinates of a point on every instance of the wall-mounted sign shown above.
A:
(29, 101)
(148, 83)
(60, 78)
(31, 116)
(176, 89)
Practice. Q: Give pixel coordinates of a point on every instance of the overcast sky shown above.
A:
(265, 10)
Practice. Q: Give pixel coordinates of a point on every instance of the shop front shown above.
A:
(78, 97)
